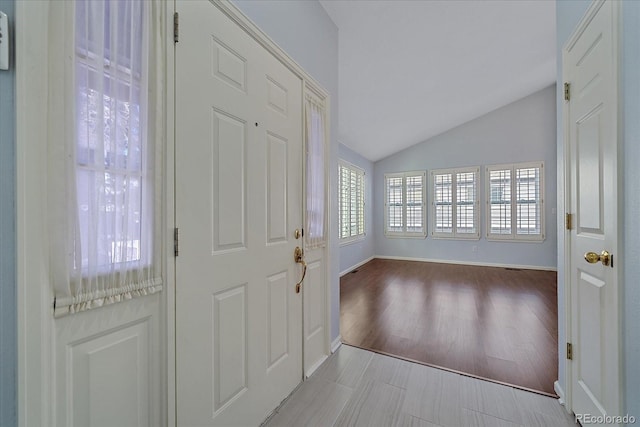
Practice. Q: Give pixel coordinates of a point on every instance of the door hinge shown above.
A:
(176, 25)
(567, 91)
(568, 221)
(176, 241)
(569, 351)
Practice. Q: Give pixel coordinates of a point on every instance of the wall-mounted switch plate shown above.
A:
(4, 41)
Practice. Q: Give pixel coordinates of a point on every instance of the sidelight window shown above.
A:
(104, 176)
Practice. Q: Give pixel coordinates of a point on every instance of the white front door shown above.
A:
(238, 201)
(591, 126)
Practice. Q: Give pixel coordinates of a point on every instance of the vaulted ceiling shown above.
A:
(410, 70)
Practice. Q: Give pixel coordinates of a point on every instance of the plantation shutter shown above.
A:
(414, 205)
(405, 204)
(528, 201)
(442, 196)
(515, 202)
(351, 200)
(466, 206)
(395, 203)
(500, 201)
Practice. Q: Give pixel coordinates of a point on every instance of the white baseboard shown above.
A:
(559, 392)
(353, 267)
(336, 344)
(482, 264)
(315, 366)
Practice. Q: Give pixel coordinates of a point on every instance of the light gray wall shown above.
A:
(568, 15)
(631, 243)
(356, 252)
(305, 31)
(522, 131)
(8, 328)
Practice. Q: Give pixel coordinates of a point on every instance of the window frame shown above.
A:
(513, 236)
(455, 235)
(404, 233)
(360, 204)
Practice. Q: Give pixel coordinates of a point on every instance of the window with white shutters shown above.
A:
(351, 201)
(454, 202)
(405, 214)
(515, 202)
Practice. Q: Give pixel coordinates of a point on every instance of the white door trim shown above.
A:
(35, 309)
(170, 215)
(309, 84)
(580, 28)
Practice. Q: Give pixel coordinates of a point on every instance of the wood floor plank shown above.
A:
(495, 323)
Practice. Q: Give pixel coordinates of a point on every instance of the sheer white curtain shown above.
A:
(315, 122)
(104, 157)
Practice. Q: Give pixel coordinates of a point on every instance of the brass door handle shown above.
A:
(298, 258)
(592, 257)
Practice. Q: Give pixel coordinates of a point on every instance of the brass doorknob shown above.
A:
(592, 257)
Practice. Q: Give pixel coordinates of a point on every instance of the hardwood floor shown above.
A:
(494, 323)
(356, 387)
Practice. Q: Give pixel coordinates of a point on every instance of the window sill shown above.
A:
(406, 236)
(455, 237)
(537, 239)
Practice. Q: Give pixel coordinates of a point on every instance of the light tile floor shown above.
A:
(356, 387)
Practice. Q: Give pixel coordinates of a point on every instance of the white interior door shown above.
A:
(238, 202)
(590, 68)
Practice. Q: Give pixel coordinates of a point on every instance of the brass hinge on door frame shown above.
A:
(567, 91)
(176, 241)
(176, 25)
(568, 221)
(569, 351)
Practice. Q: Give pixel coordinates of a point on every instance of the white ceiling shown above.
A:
(410, 70)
